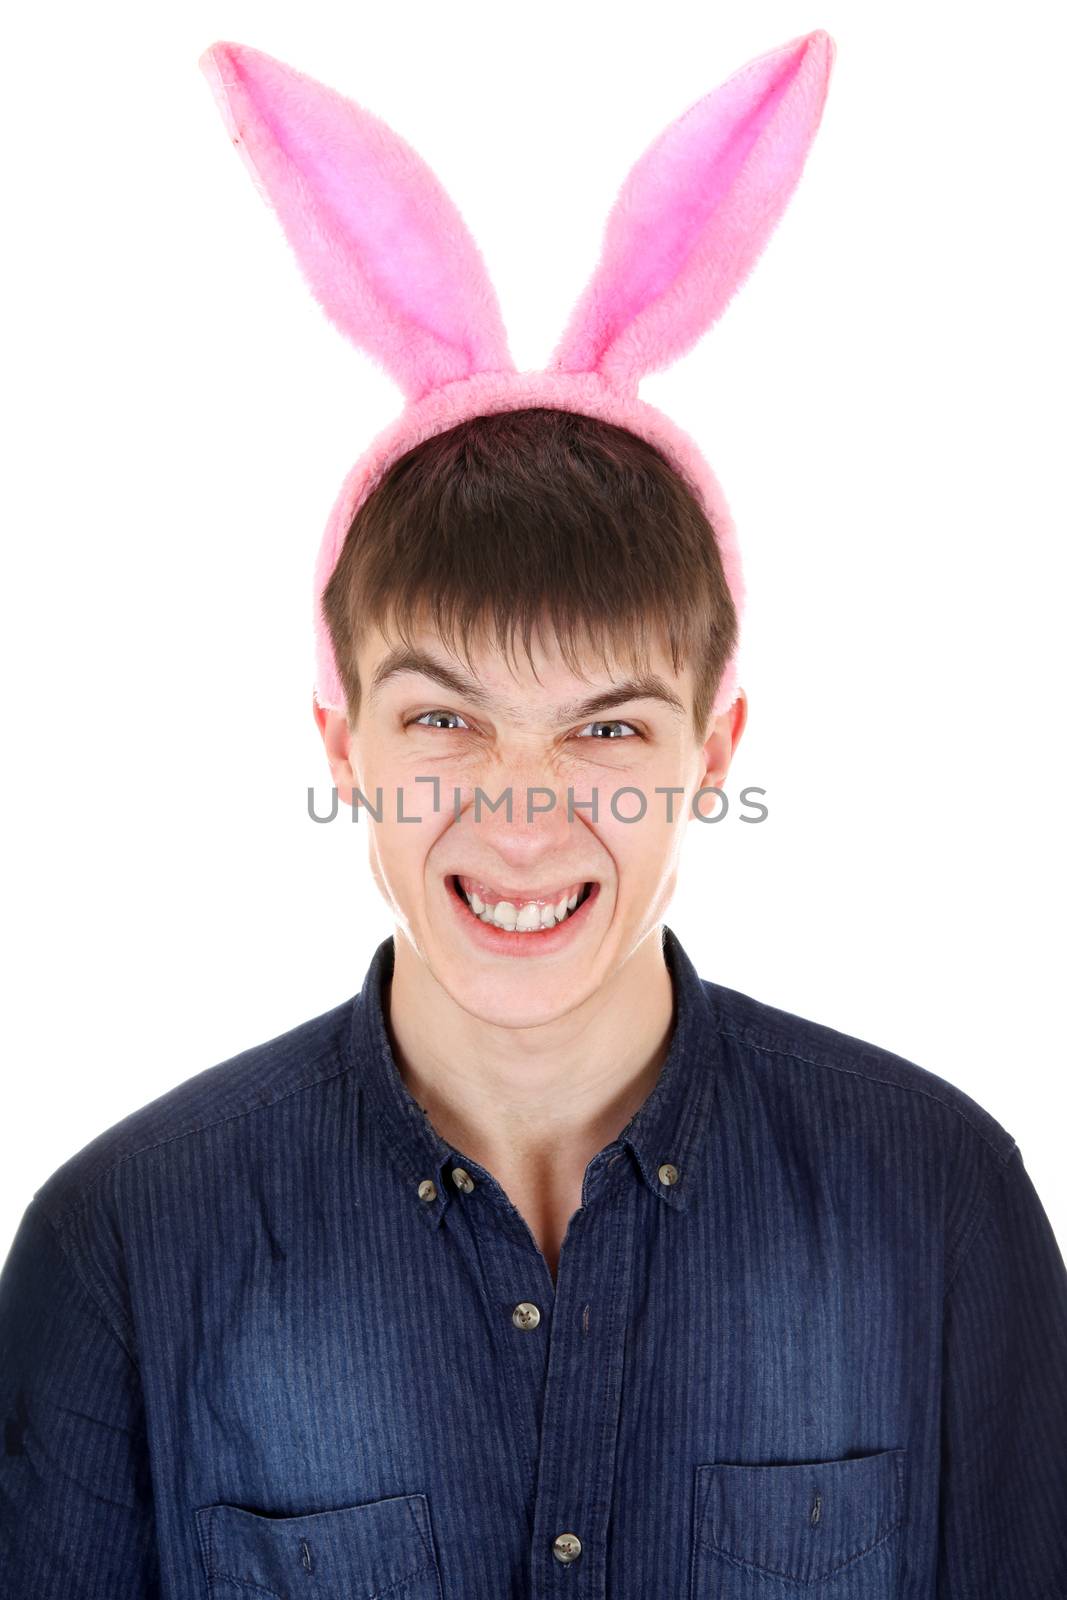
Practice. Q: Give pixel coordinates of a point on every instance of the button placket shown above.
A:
(526, 1316)
(504, 1257)
(580, 1420)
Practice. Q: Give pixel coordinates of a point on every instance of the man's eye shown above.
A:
(611, 726)
(439, 718)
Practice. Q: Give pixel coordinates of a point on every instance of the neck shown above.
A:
(542, 1099)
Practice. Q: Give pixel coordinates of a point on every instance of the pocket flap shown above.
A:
(801, 1522)
(357, 1551)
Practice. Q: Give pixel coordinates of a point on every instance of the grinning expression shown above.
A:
(521, 921)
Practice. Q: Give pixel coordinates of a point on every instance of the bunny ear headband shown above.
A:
(388, 256)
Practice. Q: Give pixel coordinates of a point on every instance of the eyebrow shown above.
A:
(401, 659)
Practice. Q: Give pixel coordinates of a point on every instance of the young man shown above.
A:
(540, 1252)
(541, 1264)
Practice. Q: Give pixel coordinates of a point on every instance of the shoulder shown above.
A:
(296, 1061)
(767, 1038)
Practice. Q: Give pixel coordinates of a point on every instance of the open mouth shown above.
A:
(522, 918)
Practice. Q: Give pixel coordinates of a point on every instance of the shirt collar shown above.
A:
(668, 1130)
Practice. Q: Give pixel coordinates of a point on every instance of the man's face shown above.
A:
(430, 733)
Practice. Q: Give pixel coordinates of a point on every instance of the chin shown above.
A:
(515, 999)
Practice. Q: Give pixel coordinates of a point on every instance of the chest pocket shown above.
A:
(356, 1553)
(760, 1531)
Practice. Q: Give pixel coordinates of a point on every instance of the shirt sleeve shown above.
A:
(1003, 1503)
(76, 1518)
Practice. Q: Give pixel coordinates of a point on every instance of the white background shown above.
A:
(882, 403)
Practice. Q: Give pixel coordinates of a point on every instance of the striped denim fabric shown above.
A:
(271, 1335)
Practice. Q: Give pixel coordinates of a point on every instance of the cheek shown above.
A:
(401, 851)
(644, 848)
(393, 788)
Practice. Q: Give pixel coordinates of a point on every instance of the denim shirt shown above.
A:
(272, 1336)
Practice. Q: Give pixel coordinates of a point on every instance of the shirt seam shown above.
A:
(888, 1083)
(980, 1215)
(86, 1194)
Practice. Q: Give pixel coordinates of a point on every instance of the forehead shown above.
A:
(388, 662)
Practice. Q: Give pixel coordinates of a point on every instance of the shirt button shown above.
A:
(566, 1547)
(462, 1180)
(668, 1174)
(427, 1189)
(525, 1315)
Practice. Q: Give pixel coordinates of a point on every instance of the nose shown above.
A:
(537, 830)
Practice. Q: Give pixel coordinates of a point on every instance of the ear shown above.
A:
(694, 214)
(724, 736)
(384, 250)
(336, 739)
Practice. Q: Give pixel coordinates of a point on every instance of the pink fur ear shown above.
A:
(382, 245)
(694, 214)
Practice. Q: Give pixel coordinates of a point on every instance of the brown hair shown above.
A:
(519, 516)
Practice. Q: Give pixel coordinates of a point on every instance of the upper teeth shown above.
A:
(523, 916)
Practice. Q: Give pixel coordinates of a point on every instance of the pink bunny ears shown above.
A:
(388, 256)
